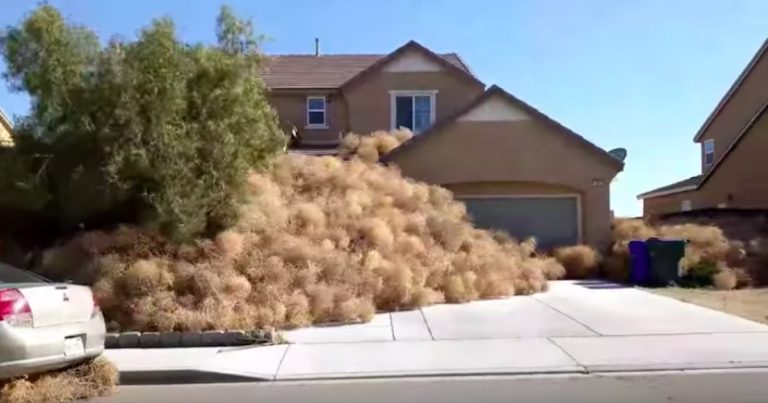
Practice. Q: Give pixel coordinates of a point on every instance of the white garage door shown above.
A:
(553, 221)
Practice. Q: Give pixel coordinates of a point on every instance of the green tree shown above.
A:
(155, 129)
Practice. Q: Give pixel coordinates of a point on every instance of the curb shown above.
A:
(189, 376)
(182, 376)
(211, 338)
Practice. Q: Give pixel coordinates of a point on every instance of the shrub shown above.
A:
(86, 381)
(699, 274)
(154, 130)
(553, 270)
(725, 279)
(579, 261)
(319, 240)
(371, 147)
(706, 246)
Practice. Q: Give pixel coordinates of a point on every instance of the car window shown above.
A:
(9, 274)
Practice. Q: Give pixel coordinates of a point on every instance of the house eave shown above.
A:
(731, 91)
(667, 192)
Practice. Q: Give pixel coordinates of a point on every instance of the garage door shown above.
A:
(553, 221)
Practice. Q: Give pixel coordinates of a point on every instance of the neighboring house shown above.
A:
(734, 145)
(516, 169)
(6, 130)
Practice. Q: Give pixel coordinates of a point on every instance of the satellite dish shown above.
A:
(619, 153)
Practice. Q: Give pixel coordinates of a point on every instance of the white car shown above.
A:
(45, 325)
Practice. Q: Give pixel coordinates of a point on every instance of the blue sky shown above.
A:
(643, 75)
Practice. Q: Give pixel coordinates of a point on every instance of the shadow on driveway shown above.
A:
(600, 285)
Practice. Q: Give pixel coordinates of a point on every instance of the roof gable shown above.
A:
(495, 104)
(757, 58)
(495, 109)
(6, 130)
(412, 61)
(410, 49)
(331, 71)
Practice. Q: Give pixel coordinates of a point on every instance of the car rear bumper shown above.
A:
(29, 350)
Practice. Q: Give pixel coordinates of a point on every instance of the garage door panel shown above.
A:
(553, 221)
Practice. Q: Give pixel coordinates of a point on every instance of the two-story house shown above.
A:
(734, 144)
(515, 168)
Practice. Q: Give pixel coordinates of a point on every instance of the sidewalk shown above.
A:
(575, 327)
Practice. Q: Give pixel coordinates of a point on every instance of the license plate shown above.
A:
(73, 347)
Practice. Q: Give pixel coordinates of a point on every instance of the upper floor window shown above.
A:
(709, 152)
(414, 110)
(316, 110)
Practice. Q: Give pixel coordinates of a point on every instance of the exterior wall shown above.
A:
(737, 112)
(291, 107)
(508, 188)
(515, 157)
(740, 181)
(672, 203)
(5, 135)
(369, 100)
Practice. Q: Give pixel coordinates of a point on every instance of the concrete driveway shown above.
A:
(575, 327)
(567, 309)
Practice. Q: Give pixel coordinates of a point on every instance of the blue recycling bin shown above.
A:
(639, 263)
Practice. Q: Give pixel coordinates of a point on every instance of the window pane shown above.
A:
(316, 104)
(316, 118)
(10, 274)
(709, 158)
(404, 112)
(422, 120)
(709, 146)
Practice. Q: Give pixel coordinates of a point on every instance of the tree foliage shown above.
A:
(154, 129)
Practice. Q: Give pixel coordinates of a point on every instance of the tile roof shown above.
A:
(324, 71)
(682, 185)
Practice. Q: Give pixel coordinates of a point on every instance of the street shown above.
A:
(735, 386)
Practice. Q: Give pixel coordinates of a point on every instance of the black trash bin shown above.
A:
(665, 256)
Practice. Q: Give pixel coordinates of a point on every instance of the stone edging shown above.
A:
(210, 338)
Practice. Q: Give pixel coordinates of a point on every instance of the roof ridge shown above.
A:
(323, 55)
(351, 54)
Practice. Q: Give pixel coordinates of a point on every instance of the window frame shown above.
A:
(324, 110)
(705, 152)
(432, 94)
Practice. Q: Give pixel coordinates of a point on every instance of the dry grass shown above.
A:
(725, 280)
(748, 303)
(579, 261)
(371, 147)
(705, 243)
(320, 239)
(93, 379)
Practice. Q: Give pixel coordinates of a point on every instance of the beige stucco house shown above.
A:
(515, 168)
(734, 143)
(6, 139)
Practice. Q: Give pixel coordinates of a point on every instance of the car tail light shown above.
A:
(96, 307)
(14, 309)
